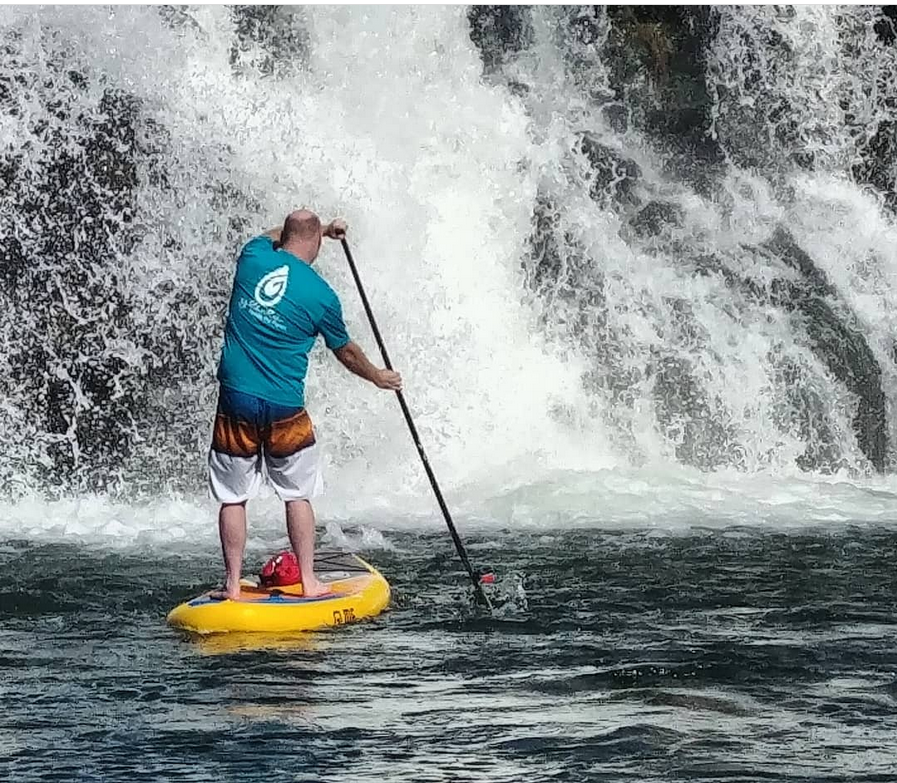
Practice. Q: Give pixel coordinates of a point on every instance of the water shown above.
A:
(639, 275)
(705, 655)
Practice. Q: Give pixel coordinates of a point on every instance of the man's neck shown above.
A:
(302, 250)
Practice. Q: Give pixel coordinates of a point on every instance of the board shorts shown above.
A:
(252, 435)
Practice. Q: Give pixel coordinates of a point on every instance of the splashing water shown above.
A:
(571, 304)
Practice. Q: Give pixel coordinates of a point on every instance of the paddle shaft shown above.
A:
(459, 545)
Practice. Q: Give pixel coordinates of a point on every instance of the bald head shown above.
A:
(301, 234)
(303, 225)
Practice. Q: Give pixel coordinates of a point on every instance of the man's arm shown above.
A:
(274, 233)
(353, 359)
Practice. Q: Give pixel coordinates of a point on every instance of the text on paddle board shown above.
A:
(344, 616)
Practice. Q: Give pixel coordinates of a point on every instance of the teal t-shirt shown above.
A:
(278, 306)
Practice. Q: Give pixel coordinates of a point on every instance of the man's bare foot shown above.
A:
(229, 593)
(312, 588)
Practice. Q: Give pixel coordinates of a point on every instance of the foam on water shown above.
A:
(671, 503)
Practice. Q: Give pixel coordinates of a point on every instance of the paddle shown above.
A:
(459, 545)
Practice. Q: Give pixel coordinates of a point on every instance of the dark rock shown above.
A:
(519, 89)
(687, 416)
(176, 16)
(573, 290)
(278, 31)
(878, 163)
(80, 211)
(560, 270)
(886, 25)
(655, 217)
(617, 117)
(668, 45)
(545, 255)
(615, 175)
(838, 343)
(66, 301)
(805, 412)
(783, 245)
(500, 32)
(585, 26)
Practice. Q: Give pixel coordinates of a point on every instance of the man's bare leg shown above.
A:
(232, 529)
(301, 529)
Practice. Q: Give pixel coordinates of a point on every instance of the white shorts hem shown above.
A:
(234, 480)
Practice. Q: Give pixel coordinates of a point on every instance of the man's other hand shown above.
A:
(388, 379)
(336, 229)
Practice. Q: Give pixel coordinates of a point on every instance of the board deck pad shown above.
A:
(330, 568)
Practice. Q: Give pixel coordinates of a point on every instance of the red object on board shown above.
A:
(280, 570)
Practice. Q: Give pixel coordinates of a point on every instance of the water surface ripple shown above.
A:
(709, 655)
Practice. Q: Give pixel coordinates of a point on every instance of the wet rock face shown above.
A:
(878, 163)
(691, 419)
(270, 39)
(657, 59)
(614, 175)
(877, 158)
(656, 217)
(886, 26)
(500, 32)
(840, 345)
(688, 418)
(77, 201)
(90, 358)
(102, 297)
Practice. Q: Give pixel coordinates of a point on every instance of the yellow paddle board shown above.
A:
(357, 591)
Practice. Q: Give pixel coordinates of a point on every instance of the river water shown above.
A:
(735, 654)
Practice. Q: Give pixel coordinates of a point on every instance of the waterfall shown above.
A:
(595, 239)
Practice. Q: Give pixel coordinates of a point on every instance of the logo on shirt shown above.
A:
(272, 287)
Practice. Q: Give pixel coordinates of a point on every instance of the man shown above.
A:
(278, 306)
